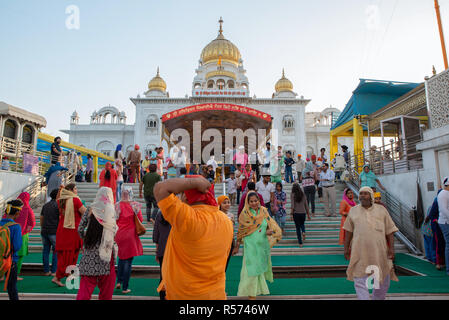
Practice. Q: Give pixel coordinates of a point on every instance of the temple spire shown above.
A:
(157, 75)
(221, 25)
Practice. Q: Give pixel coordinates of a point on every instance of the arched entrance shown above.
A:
(209, 129)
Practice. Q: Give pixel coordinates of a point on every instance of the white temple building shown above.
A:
(220, 81)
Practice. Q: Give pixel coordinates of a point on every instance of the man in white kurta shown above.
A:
(369, 245)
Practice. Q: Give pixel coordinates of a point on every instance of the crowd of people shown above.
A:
(194, 230)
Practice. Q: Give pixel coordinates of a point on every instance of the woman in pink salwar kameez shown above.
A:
(128, 242)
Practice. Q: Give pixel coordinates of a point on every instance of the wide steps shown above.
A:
(322, 233)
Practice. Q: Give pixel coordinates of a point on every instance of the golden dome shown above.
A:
(157, 83)
(221, 48)
(284, 84)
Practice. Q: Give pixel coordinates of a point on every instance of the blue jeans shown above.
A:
(119, 190)
(288, 174)
(429, 246)
(280, 220)
(268, 206)
(49, 242)
(445, 230)
(300, 219)
(124, 272)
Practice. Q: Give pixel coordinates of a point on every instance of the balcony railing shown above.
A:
(395, 157)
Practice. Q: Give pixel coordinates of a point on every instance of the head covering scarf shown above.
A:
(308, 168)
(103, 210)
(368, 189)
(26, 219)
(194, 196)
(127, 196)
(221, 199)
(377, 195)
(107, 167)
(119, 147)
(313, 157)
(69, 212)
(249, 223)
(56, 167)
(352, 203)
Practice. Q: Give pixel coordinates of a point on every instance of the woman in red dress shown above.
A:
(128, 242)
(68, 241)
(108, 178)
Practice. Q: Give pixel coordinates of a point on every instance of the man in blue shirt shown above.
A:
(288, 167)
(13, 209)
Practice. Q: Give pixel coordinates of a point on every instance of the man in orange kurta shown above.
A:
(199, 241)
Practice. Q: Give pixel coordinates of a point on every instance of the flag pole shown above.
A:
(440, 27)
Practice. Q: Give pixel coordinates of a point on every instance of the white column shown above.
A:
(301, 131)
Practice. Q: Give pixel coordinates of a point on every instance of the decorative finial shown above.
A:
(221, 25)
(434, 71)
(283, 73)
(157, 75)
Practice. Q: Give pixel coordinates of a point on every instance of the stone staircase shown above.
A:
(321, 232)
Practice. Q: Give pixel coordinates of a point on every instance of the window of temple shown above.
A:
(149, 148)
(152, 122)
(197, 86)
(105, 147)
(210, 84)
(231, 84)
(289, 122)
(10, 129)
(27, 134)
(245, 86)
(220, 84)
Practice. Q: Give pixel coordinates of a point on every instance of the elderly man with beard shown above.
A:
(369, 245)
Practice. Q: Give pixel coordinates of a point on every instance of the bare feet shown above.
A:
(118, 286)
(304, 236)
(47, 274)
(56, 281)
(53, 274)
(126, 291)
(251, 298)
(19, 279)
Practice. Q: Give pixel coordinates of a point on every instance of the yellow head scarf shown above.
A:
(249, 223)
(69, 212)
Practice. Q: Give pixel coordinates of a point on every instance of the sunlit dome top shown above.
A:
(221, 48)
(157, 83)
(284, 84)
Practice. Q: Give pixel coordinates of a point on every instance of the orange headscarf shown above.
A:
(221, 199)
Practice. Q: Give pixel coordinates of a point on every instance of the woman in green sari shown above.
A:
(276, 166)
(259, 233)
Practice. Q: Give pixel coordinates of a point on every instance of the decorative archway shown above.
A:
(214, 119)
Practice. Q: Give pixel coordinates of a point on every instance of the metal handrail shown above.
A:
(397, 156)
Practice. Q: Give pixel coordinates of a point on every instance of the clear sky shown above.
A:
(324, 45)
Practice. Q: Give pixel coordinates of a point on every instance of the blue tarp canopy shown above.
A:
(372, 95)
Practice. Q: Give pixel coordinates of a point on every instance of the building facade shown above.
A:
(220, 79)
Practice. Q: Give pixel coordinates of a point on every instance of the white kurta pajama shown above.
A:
(369, 247)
